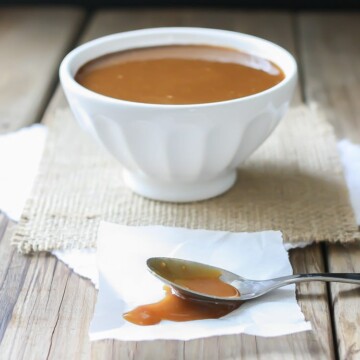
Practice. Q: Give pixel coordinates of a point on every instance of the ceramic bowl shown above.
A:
(179, 153)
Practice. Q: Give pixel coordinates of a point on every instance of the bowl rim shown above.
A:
(67, 78)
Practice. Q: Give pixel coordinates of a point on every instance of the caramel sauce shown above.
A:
(210, 286)
(179, 74)
(175, 308)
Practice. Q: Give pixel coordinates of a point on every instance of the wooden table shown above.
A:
(45, 309)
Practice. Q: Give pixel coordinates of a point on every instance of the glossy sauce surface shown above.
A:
(179, 74)
(175, 308)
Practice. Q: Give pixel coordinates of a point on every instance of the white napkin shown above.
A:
(20, 155)
(350, 158)
(125, 282)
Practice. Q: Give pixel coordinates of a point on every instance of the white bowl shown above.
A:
(179, 152)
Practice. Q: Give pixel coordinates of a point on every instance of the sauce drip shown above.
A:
(195, 277)
(175, 308)
(179, 74)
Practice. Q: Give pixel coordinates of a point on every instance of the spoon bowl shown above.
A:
(179, 273)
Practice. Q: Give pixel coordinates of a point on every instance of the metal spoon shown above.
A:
(164, 268)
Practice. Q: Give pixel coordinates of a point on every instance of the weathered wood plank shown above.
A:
(29, 334)
(13, 269)
(56, 306)
(73, 318)
(330, 53)
(32, 43)
(345, 300)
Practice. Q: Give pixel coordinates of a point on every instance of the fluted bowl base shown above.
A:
(179, 192)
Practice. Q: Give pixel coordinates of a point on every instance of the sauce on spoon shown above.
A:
(175, 308)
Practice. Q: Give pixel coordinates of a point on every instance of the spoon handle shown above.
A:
(351, 278)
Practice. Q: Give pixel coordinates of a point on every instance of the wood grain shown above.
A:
(32, 42)
(13, 268)
(330, 53)
(345, 300)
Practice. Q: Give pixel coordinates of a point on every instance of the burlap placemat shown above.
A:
(293, 183)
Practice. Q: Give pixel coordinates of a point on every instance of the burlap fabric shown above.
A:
(293, 183)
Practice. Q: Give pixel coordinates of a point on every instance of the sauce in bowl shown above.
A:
(179, 74)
